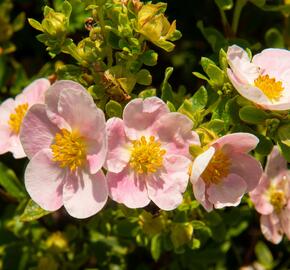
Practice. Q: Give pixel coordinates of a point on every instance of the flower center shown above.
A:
(217, 169)
(69, 149)
(16, 118)
(278, 200)
(146, 156)
(269, 86)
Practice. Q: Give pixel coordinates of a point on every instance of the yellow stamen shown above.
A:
(278, 200)
(146, 156)
(270, 87)
(69, 149)
(15, 119)
(217, 169)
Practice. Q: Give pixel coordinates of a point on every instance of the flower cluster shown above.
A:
(145, 154)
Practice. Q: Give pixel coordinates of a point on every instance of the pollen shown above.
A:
(217, 169)
(278, 200)
(15, 119)
(270, 87)
(146, 155)
(69, 150)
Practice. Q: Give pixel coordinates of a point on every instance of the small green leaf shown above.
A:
(147, 93)
(264, 255)
(149, 58)
(156, 246)
(10, 182)
(216, 75)
(114, 109)
(170, 106)
(252, 115)
(35, 24)
(144, 77)
(274, 38)
(18, 22)
(166, 89)
(199, 99)
(224, 4)
(284, 134)
(32, 212)
(66, 8)
(200, 76)
(285, 149)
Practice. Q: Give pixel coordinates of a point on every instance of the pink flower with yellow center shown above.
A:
(264, 80)
(148, 156)
(12, 112)
(222, 174)
(66, 142)
(272, 198)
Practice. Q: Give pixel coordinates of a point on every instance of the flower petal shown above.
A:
(247, 167)
(237, 142)
(228, 193)
(285, 220)
(37, 131)
(241, 66)
(139, 116)
(275, 163)
(260, 198)
(15, 147)
(78, 109)
(34, 92)
(166, 187)
(175, 132)
(200, 163)
(5, 134)
(128, 188)
(118, 154)
(44, 181)
(85, 194)
(271, 228)
(199, 191)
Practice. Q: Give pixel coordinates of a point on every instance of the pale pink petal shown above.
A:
(285, 221)
(34, 92)
(84, 194)
(44, 181)
(228, 193)
(248, 91)
(37, 132)
(273, 61)
(78, 109)
(5, 134)
(200, 163)
(128, 188)
(166, 186)
(271, 228)
(199, 191)
(52, 99)
(240, 63)
(260, 197)
(237, 142)
(16, 147)
(139, 116)
(118, 154)
(175, 132)
(275, 163)
(247, 167)
(6, 108)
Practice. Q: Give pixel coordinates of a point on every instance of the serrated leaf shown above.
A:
(32, 212)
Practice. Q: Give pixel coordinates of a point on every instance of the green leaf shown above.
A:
(264, 146)
(149, 58)
(264, 255)
(199, 99)
(10, 183)
(215, 74)
(166, 89)
(200, 76)
(252, 115)
(224, 4)
(156, 246)
(18, 22)
(147, 93)
(144, 77)
(66, 8)
(274, 38)
(284, 134)
(114, 109)
(285, 149)
(170, 106)
(32, 212)
(35, 24)
(258, 3)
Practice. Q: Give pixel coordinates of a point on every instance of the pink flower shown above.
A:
(12, 113)
(264, 80)
(65, 140)
(148, 157)
(272, 198)
(225, 172)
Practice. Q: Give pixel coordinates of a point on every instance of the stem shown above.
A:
(237, 13)
(225, 22)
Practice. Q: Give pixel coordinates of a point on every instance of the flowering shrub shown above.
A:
(132, 170)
